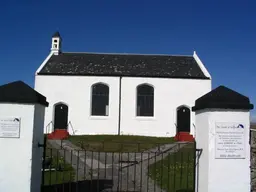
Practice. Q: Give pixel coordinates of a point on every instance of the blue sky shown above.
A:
(223, 33)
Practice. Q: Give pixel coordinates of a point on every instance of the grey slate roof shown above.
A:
(99, 64)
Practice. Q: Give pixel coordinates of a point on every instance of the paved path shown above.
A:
(129, 171)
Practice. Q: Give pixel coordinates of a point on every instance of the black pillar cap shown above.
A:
(223, 98)
(19, 92)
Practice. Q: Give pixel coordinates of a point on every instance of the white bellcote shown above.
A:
(56, 43)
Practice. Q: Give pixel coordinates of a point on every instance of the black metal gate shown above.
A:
(164, 167)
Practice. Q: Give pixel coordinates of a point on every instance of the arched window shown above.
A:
(145, 100)
(100, 100)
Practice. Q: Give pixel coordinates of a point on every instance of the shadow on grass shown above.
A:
(80, 186)
(175, 173)
(118, 143)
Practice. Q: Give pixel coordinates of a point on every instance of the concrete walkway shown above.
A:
(129, 171)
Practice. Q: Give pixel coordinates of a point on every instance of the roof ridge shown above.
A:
(101, 53)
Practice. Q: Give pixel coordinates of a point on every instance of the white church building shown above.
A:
(113, 93)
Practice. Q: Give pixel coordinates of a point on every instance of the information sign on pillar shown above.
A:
(222, 119)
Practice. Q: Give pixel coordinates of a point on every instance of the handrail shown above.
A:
(194, 130)
(48, 126)
(69, 123)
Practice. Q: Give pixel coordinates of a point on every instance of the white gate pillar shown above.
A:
(222, 131)
(21, 130)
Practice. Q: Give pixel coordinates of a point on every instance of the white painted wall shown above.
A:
(75, 91)
(168, 95)
(223, 175)
(15, 166)
(202, 142)
(37, 153)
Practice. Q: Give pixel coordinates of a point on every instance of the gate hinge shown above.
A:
(40, 145)
(200, 151)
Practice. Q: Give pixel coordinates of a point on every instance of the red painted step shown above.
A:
(58, 134)
(184, 136)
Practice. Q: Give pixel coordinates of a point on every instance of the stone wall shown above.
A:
(253, 160)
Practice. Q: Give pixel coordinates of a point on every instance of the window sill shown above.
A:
(145, 118)
(98, 117)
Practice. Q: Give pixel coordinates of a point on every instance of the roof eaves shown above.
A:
(201, 65)
(44, 63)
(107, 75)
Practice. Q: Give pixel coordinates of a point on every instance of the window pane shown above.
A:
(100, 99)
(145, 100)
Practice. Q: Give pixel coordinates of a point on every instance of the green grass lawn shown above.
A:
(64, 173)
(176, 171)
(118, 143)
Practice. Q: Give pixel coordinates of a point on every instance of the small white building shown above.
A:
(112, 93)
